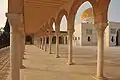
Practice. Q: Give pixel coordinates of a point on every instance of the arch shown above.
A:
(100, 13)
(61, 13)
(28, 39)
(118, 37)
(74, 8)
(52, 20)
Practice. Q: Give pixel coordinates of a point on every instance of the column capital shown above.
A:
(57, 32)
(16, 21)
(71, 31)
(15, 18)
(101, 26)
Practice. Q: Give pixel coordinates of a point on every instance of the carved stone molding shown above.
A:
(101, 26)
(16, 21)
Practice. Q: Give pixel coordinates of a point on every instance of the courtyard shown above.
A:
(43, 66)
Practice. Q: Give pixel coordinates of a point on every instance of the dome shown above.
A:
(88, 13)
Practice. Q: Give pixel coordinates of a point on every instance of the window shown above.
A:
(75, 38)
(78, 38)
(112, 39)
(89, 39)
(113, 31)
(89, 31)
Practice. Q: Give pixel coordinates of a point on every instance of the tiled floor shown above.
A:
(43, 66)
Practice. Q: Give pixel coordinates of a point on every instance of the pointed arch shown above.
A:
(61, 13)
(74, 8)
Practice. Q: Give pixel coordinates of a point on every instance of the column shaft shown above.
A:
(100, 53)
(42, 43)
(14, 55)
(64, 39)
(100, 50)
(57, 45)
(45, 45)
(70, 48)
(50, 41)
(21, 47)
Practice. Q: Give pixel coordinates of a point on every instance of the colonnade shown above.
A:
(18, 29)
(100, 50)
(17, 46)
(41, 42)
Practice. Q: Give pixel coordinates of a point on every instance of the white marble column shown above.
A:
(57, 45)
(100, 50)
(42, 43)
(37, 42)
(16, 24)
(50, 42)
(70, 46)
(64, 39)
(14, 55)
(45, 44)
(23, 45)
(21, 49)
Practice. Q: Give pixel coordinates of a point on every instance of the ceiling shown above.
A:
(37, 12)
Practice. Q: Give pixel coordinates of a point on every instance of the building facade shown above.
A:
(85, 33)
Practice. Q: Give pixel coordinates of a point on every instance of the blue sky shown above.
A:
(113, 13)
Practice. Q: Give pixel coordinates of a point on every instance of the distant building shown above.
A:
(85, 33)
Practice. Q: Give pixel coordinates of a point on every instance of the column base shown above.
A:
(45, 50)
(22, 67)
(70, 63)
(50, 53)
(99, 78)
(23, 58)
(57, 56)
(42, 48)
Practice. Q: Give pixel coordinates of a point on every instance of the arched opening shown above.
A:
(53, 32)
(114, 19)
(61, 22)
(28, 39)
(61, 40)
(118, 38)
(63, 29)
(84, 26)
(53, 26)
(53, 39)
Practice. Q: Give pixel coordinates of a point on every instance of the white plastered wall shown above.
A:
(84, 36)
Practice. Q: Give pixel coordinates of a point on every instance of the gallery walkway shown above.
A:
(43, 66)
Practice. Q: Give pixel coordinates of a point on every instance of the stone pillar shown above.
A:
(16, 24)
(45, 44)
(23, 45)
(21, 48)
(64, 39)
(14, 58)
(42, 46)
(50, 41)
(100, 50)
(40, 43)
(70, 46)
(57, 44)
